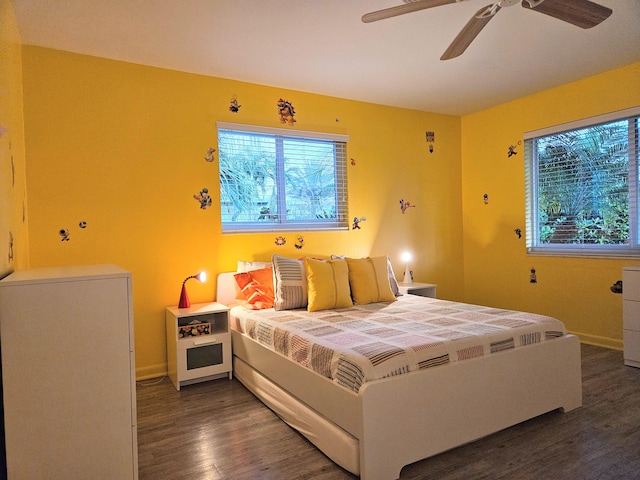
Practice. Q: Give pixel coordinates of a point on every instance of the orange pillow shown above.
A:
(257, 288)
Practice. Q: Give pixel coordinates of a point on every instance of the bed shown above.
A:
(375, 421)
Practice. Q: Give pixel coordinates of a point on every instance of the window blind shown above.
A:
(582, 187)
(277, 180)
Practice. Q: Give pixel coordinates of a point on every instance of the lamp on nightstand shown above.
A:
(406, 258)
(184, 298)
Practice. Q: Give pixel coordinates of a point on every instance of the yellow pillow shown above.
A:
(327, 284)
(369, 280)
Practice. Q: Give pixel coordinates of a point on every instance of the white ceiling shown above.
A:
(322, 46)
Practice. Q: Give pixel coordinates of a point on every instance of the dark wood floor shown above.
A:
(218, 430)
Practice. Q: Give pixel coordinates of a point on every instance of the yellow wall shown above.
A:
(121, 147)
(14, 245)
(496, 266)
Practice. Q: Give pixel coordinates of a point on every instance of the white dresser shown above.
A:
(631, 315)
(68, 373)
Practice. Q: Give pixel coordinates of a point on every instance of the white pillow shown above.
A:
(244, 266)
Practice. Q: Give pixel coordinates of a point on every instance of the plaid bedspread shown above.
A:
(355, 345)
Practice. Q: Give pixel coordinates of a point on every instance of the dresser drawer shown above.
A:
(631, 315)
(631, 346)
(631, 283)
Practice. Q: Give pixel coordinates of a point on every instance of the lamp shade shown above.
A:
(406, 257)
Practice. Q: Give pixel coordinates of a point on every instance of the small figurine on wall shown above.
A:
(532, 276)
(280, 241)
(286, 112)
(485, 197)
(404, 205)
(64, 234)
(300, 243)
(518, 232)
(204, 198)
(353, 162)
(431, 137)
(234, 106)
(356, 222)
(209, 155)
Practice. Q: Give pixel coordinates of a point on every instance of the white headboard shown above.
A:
(227, 288)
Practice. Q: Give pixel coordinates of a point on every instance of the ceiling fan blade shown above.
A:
(582, 13)
(402, 9)
(470, 31)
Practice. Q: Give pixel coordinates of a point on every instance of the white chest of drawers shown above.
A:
(68, 373)
(631, 315)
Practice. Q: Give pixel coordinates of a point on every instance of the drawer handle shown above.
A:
(205, 341)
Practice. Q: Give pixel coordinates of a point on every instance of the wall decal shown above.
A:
(353, 162)
(204, 198)
(280, 241)
(512, 149)
(532, 276)
(486, 198)
(209, 156)
(234, 106)
(286, 112)
(431, 137)
(300, 243)
(356, 222)
(518, 232)
(64, 234)
(83, 224)
(404, 205)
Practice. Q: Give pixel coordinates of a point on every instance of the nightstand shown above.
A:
(416, 288)
(198, 343)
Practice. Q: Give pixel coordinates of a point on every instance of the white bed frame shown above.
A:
(390, 424)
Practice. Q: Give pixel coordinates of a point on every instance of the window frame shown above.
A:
(533, 243)
(341, 222)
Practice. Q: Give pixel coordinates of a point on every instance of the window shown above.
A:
(273, 179)
(582, 187)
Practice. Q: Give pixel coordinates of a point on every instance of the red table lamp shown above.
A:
(184, 298)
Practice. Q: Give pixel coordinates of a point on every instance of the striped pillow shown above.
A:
(289, 282)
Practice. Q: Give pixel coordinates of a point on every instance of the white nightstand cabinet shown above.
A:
(631, 315)
(417, 288)
(198, 343)
(68, 373)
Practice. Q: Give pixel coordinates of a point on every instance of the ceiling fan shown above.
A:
(582, 13)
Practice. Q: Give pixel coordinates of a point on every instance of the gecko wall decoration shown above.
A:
(404, 205)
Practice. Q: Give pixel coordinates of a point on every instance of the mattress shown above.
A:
(351, 346)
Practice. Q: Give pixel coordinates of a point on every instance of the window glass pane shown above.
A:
(247, 177)
(583, 194)
(310, 180)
